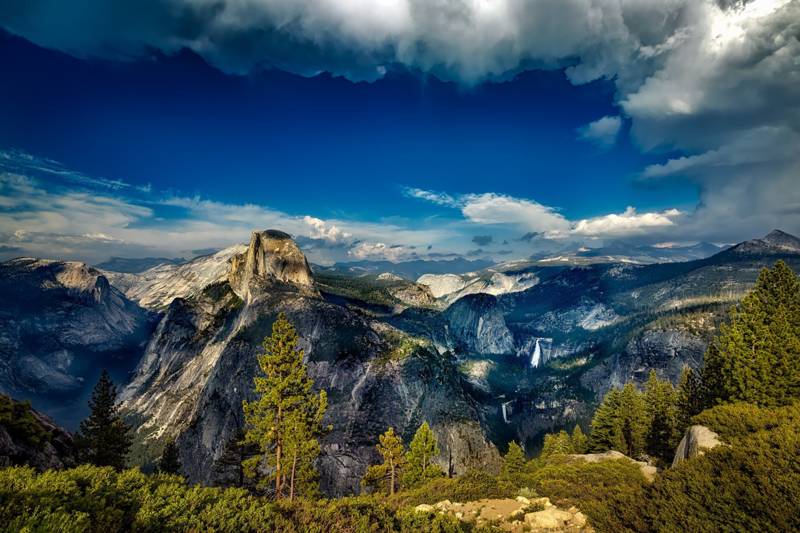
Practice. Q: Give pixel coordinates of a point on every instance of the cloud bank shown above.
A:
(714, 81)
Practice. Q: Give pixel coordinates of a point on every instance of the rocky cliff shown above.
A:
(60, 324)
(200, 363)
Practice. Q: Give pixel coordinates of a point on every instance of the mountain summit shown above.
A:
(270, 255)
(776, 242)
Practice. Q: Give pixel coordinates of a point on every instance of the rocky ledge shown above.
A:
(515, 515)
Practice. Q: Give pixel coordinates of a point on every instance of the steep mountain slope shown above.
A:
(583, 329)
(156, 287)
(60, 323)
(199, 365)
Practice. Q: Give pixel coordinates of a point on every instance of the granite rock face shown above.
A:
(271, 255)
(200, 363)
(477, 325)
(60, 324)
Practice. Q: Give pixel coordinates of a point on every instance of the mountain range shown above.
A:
(501, 352)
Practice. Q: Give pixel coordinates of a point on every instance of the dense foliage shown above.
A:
(19, 421)
(756, 356)
(90, 498)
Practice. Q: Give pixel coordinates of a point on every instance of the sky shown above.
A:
(395, 129)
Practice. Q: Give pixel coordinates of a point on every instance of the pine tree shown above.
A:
(419, 459)
(689, 398)
(556, 444)
(633, 413)
(104, 439)
(393, 452)
(513, 461)
(755, 357)
(285, 419)
(607, 424)
(662, 413)
(170, 462)
(578, 441)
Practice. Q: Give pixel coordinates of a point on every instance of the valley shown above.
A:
(532, 354)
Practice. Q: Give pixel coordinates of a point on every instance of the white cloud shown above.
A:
(602, 132)
(625, 224)
(381, 251)
(326, 231)
(491, 208)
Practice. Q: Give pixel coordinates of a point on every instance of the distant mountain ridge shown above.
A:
(135, 265)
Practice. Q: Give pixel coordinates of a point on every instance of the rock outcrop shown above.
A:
(513, 515)
(477, 326)
(30, 438)
(271, 255)
(696, 441)
(60, 324)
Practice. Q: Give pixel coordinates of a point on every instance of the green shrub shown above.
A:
(20, 423)
(474, 485)
(752, 485)
(89, 498)
(737, 420)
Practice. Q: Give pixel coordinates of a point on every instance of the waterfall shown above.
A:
(504, 408)
(536, 358)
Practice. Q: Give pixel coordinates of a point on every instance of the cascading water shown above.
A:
(536, 358)
(504, 408)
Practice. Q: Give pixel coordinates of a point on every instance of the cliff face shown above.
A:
(271, 256)
(200, 364)
(60, 324)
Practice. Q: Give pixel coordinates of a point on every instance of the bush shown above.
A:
(474, 485)
(90, 498)
(753, 485)
(737, 420)
(585, 485)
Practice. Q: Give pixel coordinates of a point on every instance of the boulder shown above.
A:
(424, 508)
(695, 441)
(550, 518)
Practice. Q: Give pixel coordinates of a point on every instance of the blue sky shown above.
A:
(161, 137)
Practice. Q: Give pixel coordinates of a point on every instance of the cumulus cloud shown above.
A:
(625, 224)
(602, 132)
(547, 223)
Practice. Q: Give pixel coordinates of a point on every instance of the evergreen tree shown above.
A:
(419, 459)
(620, 422)
(578, 441)
(633, 413)
(513, 460)
(607, 424)
(689, 398)
(393, 452)
(170, 462)
(285, 419)
(228, 469)
(662, 412)
(556, 444)
(104, 439)
(756, 355)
